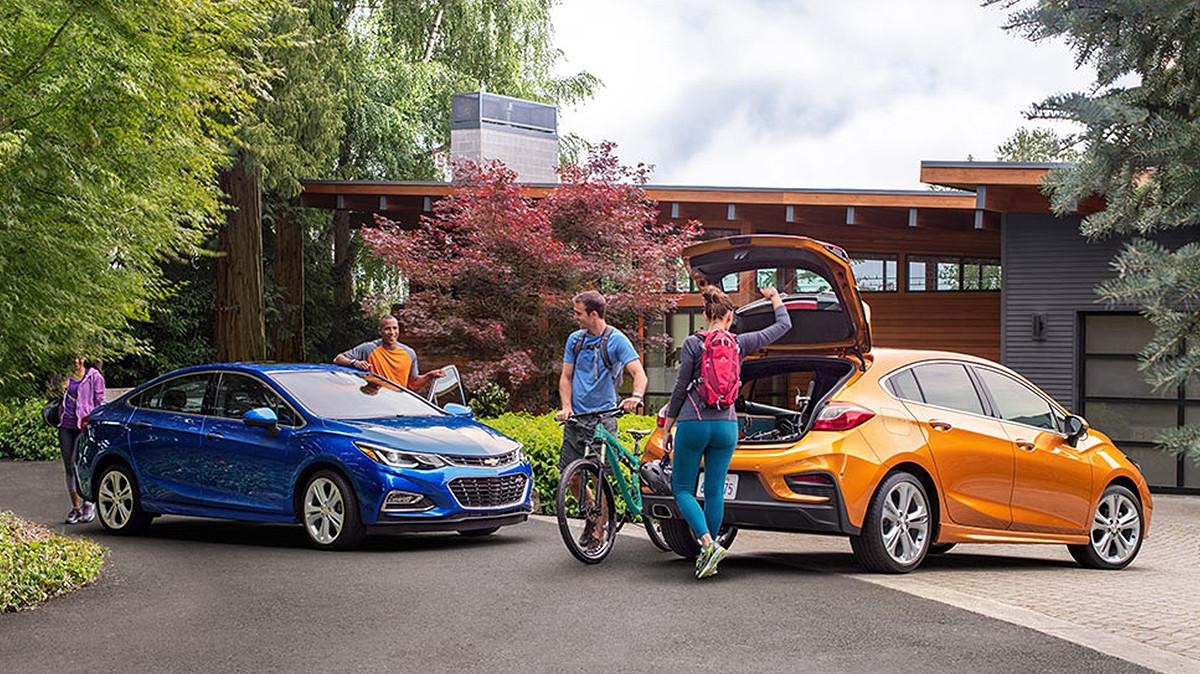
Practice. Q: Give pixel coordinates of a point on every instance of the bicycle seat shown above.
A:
(639, 434)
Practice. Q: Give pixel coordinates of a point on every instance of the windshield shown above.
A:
(350, 395)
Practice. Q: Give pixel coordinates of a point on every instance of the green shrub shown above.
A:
(23, 436)
(542, 437)
(490, 400)
(36, 564)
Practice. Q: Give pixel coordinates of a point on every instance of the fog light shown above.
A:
(405, 501)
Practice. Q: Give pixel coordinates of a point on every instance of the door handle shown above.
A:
(1025, 445)
(940, 425)
(142, 424)
(212, 436)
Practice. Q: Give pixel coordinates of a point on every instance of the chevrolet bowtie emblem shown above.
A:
(491, 461)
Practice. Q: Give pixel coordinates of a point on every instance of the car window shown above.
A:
(904, 386)
(181, 394)
(948, 385)
(342, 394)
(1016, 401)
(238, 394)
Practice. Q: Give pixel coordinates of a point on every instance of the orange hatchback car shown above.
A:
(906, 452)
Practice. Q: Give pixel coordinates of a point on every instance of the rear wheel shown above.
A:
(678, 536)
(118, 502)
(586, 511)
(654, 531)
(896, 533)
(1116, 531)
(329, 512)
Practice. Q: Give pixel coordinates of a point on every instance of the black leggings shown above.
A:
(67, 438)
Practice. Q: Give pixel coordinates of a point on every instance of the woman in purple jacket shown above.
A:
(84, 393)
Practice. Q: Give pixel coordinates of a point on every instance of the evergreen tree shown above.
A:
(1140, 143)
(1036, 145)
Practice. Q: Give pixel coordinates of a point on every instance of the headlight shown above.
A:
(398, 459)
(520, 453)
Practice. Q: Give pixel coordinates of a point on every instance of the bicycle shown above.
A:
(579, 510)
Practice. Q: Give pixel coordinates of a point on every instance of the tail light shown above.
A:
(801, 305)
(839, 416)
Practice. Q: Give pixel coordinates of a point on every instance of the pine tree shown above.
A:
(1140, 144)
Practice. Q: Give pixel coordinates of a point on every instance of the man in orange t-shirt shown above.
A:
(388, 358)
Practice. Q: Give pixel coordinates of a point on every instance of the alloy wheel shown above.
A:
(904, 523)
(324, 510)
(115, 499)
(1116, 527)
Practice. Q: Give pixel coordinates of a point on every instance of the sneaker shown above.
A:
(588, 538)
(712, 556)
(73, 516)
(87, 513)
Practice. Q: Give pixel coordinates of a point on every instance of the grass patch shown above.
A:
(37, 564)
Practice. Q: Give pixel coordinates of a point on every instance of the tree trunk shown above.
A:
(239, 331)
(343, 280)
(288, 340)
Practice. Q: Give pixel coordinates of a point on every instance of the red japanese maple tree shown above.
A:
(492, 272)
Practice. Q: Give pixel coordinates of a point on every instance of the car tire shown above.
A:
(654, 532)
(678, 537)
(898, 529)
(941, 548)
(119, 502)
(478, 533)
(328, 496)
(1116, 531)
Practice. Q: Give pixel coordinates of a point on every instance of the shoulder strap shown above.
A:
(608, 330)
(578, 348)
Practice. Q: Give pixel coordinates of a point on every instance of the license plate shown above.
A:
(731, 481)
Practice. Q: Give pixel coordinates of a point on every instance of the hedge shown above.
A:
(36, 564)
(23, 436)
(542, 437)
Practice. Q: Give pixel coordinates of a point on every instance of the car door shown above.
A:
(164, 437)
(250, 468)
(973, 455)
(1052, 485)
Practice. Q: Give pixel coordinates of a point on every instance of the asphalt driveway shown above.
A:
(224, 596)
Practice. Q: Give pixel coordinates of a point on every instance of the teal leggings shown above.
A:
(713, 441)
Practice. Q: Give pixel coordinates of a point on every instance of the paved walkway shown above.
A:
(1148, 613)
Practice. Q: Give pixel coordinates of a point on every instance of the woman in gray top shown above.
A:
(707, 433)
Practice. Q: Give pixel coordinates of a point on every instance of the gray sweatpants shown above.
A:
(67, 439)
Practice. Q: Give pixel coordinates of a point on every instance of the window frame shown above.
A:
(1057, 415)
(960, 261)
(205, 406)
(216, 390)
(883, 258)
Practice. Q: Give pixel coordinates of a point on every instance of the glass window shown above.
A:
(948, 385)
(916, 276)
(904, 385)
(874, 273)
(811, 282)
(766, 278)
(1131, 421)
(730, 283)
(1118, 378)
(238, 394)
(1118, 334)
(971, 276)
(947, 276)
(989, 276)
(350, 395)
(1158, 466)
(1016, 402)
(181, 394)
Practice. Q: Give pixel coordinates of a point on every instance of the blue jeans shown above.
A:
(714, 442)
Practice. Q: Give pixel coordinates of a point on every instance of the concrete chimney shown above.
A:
(522, 134)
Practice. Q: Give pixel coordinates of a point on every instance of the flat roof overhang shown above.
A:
(1004, 187)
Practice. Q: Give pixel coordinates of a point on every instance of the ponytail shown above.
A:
(716, 303)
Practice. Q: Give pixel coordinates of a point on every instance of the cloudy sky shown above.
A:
(803, 93)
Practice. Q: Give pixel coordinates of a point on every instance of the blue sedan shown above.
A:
(337, 450)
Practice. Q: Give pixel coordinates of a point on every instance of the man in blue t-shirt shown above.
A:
(589, 380)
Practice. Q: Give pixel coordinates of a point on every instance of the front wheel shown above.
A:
(118, 502)
(329, 512)
(586, 511)
(1116, 532)
(897, 530)
(678, 536)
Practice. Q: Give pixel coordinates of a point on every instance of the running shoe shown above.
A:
(711, 556)
(87, 513)
(73, 516)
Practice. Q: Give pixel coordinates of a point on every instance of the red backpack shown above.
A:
(720, 370)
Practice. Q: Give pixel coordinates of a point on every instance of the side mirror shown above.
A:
(1076, 429)
(459, 410)
(448, 388)
(261, 417)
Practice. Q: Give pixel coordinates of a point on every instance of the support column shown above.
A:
(238, 324)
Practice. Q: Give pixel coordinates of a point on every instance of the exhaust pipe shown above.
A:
(661, 511)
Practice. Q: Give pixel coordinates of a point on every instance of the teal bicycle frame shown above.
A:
(614, 453)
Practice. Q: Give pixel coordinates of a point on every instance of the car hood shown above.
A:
(829, 323)
(431, 435)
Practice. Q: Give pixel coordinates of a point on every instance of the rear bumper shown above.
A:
(461, 523)
(755, 509)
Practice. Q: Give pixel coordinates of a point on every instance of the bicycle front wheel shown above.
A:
(587, 513)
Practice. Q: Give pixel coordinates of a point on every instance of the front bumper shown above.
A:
(469, 522)
(754, 508)
(445, 508)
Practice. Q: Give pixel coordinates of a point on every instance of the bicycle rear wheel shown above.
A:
(587, 513)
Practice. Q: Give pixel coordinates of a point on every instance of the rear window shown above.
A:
(904, 386)
(948, 385)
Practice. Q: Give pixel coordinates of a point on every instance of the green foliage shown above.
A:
(542, 437)
(1036, 145)
(490, 400)
(23, 436)
(111, 131)
(36, 564)
(1140, 138)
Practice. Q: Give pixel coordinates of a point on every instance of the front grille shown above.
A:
(493, 461)
(489, 492)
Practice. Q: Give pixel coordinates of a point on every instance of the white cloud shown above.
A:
(803, 94)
